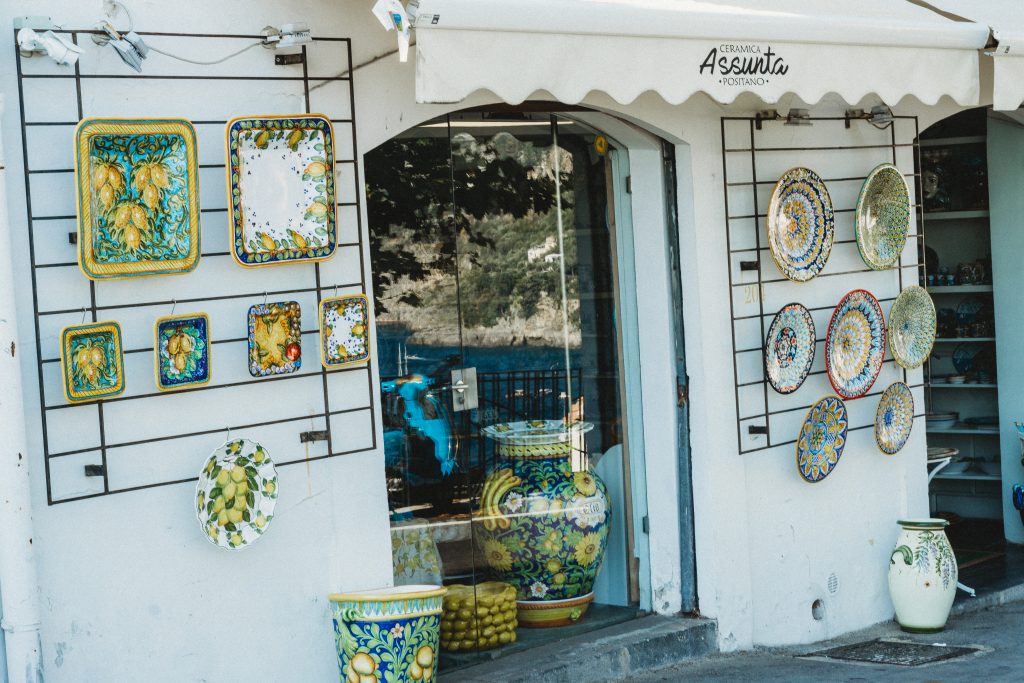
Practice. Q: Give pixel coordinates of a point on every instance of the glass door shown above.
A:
(494, 259)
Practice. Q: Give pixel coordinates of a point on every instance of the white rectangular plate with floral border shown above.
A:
(344, 330)
(281, 195)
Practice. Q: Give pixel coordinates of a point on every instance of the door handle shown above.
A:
(464, 391)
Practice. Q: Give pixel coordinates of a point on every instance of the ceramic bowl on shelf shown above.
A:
(940, 452)
(956, 379)
(957, 467)
(989, 467)
(941, 420)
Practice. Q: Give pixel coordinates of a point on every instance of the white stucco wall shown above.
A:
(128, 584)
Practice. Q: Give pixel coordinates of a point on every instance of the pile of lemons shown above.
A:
(479, 617)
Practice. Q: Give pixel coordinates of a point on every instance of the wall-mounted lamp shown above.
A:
(289, 35)
(129, 46)
(798, 117)
(59, 48)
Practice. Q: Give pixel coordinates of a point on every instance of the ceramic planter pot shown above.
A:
(544, 528)
(922, 575)
(389, 635)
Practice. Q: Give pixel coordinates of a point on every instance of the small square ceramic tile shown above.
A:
(138, 197)
(275, 338)
(182, 347)
(344, 330)
(281, 197)
(92, 361)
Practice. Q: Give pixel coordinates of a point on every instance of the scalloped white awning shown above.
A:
(569, 48)
(1005, 18)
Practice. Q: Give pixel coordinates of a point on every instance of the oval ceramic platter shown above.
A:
(894, 418)
(801, 224)
(855, 344)
(882, 217)
(912, 327)
(236, 494)
(789, 348)
(822, 439)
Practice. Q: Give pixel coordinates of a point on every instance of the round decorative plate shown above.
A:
(855, 344)
(801, 225)
(822, 439)
(882, 217)
(236, 494)
(894, 418)
(912, 327)
(789, 348)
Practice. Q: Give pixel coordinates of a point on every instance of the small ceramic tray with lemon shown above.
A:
(236, 494)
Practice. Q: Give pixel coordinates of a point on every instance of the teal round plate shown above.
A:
(894, 418)
(822, 439)
(882, 217)
(912, 327)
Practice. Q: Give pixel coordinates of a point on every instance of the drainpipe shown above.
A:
(19, 587)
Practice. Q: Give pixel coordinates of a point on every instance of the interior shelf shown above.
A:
(955, 215)
(959, 289)
(964, 430)
(948, 385)
(964, 339)
(959, 140)
(977, 476)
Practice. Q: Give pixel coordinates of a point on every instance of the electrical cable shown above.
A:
(201, 62)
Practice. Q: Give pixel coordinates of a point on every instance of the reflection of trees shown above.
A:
(503, 194)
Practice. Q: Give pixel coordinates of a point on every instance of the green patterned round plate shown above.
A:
(912, 327)
(236, 494)
(883, 217)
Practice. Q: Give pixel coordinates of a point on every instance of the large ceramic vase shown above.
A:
(922, 575)
(542, 527)
(388, 635)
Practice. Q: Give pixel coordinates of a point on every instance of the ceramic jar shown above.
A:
(388, 635)
(542, 527)
(922, 575)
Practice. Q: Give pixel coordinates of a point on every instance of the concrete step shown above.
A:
(609, 654)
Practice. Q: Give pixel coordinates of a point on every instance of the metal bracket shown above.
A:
(72, 238)
(313, 436)
(750, 265)
(94, 470)
(285, 60)
(758, 429)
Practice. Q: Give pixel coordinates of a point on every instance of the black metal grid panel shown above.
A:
(753, 276)
(172, 85)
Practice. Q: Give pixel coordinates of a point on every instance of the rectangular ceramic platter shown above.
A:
(275, 338)
(182, 349)
(138, 197)
(281, 189)
(344, 330)
(91, 361)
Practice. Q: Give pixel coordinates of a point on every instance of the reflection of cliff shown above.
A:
(511, 290)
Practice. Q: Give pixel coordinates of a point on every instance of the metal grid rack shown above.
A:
(754, 277)
(289, 73)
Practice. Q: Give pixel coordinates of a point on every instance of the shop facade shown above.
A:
(642, 176)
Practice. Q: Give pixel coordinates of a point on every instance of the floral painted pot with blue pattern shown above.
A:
(922, 575)
(542, 527)
(388, 635)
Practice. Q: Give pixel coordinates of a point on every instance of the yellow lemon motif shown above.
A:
(222, 518)
(237, 473)
(239, 503)
(229, 490)
(425, 656)
(218, 503)
(139, 216)
(415, 671)
(267, 241)
(236, 539)
(97, 357)
(270, 487)
(317, 209)
(262, 138)
(241, 488)
(316, 169)
(151, 196)
(363, 664)
(258, 456)
(261, 521)
(159, 175)
(234, 516)
(99, 176)
(222, 477)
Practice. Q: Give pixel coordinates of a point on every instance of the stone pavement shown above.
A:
(998, 629)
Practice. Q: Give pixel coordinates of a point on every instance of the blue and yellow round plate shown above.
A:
(894, 418)
(822, 439)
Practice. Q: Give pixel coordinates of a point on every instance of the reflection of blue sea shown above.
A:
(426, 360)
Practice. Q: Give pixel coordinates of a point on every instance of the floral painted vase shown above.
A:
(544, 528)
(922, 575)
(389, 635)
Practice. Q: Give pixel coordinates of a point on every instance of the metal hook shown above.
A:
(335, 290)
(174, 304)
(83, 316)
(264, 298)
(229, 433)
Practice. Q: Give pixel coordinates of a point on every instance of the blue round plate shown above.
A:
(855, 344)
(801, 225)
(789, 348)
(894, 418)
(822, 439)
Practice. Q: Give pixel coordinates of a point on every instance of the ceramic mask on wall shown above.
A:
(281, 194)
(138, 203)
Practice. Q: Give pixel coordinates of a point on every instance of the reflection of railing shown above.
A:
(516, 395)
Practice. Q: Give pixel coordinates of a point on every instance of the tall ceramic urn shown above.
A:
(543, 527)
(922, 575)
